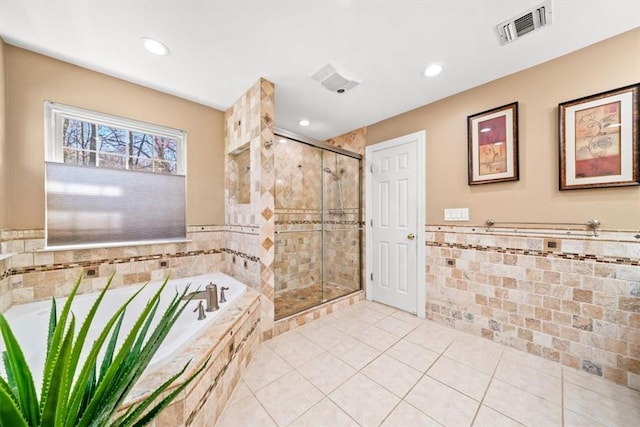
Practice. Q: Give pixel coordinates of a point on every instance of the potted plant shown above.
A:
(88, 393)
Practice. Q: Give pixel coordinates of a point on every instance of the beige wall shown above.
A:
(607, 65)
(33, 78)
(3, 191)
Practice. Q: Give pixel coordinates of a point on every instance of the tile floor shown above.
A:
(372, 365)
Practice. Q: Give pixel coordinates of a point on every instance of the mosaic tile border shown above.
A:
(538, 253)
(318, 222)
(97, 263)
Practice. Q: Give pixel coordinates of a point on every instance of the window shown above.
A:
(112, 180)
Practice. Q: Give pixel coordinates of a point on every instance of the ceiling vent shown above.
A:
(524, 23)
(335, 79)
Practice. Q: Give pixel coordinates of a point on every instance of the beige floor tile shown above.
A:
(324, 414)
(460, 377)
(571, 419)
(487, 417)
(240, 392)
(533, 362)
(433, 336)
(288, 397)
(599, 407)
(348, 325)
(408, 318)
(265, 367)
(368, 315)
(475, 354)
(365, 401)
(376, 338)
(405, 415)
(325, 336)
(395, 326)
(523, 407)
(282, 339)
(326, 372)
(245, 412)
(529, 380)
(412, 354)
(295, 349)
(354, 352)
(597, 384)
(442, 403)
(380, 308)
(392, 374)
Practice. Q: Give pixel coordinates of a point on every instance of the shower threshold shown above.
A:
(292, 301)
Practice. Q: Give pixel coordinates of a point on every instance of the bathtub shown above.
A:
(29, 322)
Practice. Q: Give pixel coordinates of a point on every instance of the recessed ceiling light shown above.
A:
(485, 129)
(155, 47)
(304, 122)
(433, 70)
(282, 141)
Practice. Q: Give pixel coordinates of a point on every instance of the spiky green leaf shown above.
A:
(27, 399)
(10, 414)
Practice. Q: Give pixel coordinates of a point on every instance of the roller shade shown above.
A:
(89, 205)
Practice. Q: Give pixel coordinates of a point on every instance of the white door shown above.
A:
(395, 216)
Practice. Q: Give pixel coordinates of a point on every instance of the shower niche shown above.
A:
(239, 176)
(318, 231)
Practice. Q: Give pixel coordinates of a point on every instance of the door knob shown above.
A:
(411, 236)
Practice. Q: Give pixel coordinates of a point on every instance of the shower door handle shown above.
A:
(411, 236)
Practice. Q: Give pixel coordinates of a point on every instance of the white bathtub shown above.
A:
(29, 322)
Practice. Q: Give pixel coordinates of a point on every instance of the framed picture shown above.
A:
(599, 140)
(493, 145)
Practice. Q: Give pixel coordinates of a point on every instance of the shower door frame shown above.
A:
(278, 132)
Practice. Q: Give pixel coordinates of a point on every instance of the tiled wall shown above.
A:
(577, 303)
(249, 126)
(29, 273)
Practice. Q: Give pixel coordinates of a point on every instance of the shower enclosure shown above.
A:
(318, 228)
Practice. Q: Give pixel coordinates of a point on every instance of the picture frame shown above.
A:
(493, 145)
(598, 140)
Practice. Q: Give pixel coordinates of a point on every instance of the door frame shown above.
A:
(421, 288)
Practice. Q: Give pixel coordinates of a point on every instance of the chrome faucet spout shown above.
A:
(212, 297)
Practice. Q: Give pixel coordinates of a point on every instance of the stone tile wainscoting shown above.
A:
(571, 299)
(30, 273)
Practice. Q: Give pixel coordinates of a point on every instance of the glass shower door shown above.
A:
(298, 227)
(317, 226)
(341, 225)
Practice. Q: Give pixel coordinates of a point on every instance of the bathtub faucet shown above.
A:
(212, 297)
(222, 297)
(200, 310)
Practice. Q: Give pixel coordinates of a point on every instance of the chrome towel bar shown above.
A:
(591, 224)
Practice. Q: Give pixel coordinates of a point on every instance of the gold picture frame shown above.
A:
(598, 140)
(493, 145)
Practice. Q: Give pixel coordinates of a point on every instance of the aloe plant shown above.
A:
(88, 393)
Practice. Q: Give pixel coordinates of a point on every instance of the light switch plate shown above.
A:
(456, 214)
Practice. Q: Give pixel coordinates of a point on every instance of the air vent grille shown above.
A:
(524, 23)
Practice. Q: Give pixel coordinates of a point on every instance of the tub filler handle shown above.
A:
(212, 297)
(200, 310)
(222, 297)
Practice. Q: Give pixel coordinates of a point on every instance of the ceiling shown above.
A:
(219, 48)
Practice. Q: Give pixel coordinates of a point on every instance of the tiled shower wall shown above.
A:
(249, 126)
(29, 273)
(577, 303)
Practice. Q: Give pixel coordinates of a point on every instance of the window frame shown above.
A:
(55, 114)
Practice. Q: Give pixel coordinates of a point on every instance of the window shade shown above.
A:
(89, 205)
